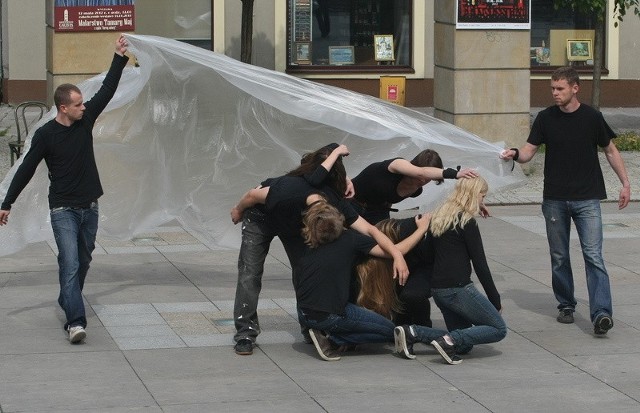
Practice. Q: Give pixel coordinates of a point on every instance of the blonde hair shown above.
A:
(461, 205)
(322, 224)
(377, 286)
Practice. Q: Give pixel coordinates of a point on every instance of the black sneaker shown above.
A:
(603, 323)
(323, 345)
(244, 347)
(565, 316)
(447, 351)
(404, 340)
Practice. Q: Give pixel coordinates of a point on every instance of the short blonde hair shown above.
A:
(322, 224)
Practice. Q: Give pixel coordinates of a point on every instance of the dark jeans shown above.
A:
(587, 217)
(75, 231)
(356, 326)
(470, 318)
(256, 240)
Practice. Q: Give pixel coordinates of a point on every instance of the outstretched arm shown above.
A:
(407, 244)
(249, 199)
(400, 268)
(406, 168)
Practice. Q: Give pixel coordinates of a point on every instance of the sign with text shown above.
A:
(94, 15)
(493, 14)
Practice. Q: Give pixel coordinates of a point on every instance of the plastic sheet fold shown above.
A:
(189, 131)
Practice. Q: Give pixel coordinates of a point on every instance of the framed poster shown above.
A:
(303, 53)
(383, 47)
(579, 50)
(493, 14)
(94, 15)
(341, 55)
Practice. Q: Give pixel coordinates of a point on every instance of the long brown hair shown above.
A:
(377, 286)
(337, 178)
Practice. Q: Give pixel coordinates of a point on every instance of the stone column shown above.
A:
(481, 78)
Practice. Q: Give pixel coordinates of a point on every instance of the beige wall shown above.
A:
(25, 40)
(629, 47)
(23, 50)
(27, 58)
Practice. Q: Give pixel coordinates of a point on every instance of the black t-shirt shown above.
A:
(453, 253)
(377, 188)
(285, 205)
(287, 201)
(572, 169)
(323, 274)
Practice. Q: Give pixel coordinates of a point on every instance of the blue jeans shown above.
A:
(470, 318)
(588, 220)
(256, 240)
(75, 232)
(358, 325)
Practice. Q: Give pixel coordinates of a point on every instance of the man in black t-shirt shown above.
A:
(573, 188)
(66, 145)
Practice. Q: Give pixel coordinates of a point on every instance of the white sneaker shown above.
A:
(76, 334)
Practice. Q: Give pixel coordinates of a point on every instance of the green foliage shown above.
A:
(621, 7)
(3, 132)
(628, 141)
(598, 7)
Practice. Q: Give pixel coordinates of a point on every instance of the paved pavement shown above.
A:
(160, 331)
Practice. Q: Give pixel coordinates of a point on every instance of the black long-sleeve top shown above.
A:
(453, 253)
(68, 152)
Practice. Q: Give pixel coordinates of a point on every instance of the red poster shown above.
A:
(493, 14)
(97, 15)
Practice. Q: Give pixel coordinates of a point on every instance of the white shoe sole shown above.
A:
(401, 343)
(319, 348)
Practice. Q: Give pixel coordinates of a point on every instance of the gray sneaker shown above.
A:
(323, 345)
(76, 334)
(447, 351)
(565, 316)
(603, 323)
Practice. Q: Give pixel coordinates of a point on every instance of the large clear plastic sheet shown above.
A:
(189, 131)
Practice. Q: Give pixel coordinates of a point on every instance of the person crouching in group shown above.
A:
(323, 277)
(455, 242)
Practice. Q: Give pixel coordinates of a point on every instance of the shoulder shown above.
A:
(586, 110)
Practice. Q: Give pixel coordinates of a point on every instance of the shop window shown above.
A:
(553, 31)
(349, 35)
(185, 20)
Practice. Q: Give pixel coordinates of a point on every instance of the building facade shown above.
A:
(345, 43)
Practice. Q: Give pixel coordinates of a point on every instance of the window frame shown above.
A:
(380, 67)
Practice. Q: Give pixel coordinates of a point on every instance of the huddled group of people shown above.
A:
(351, 262)
(359, 275)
